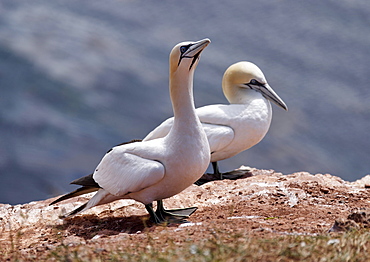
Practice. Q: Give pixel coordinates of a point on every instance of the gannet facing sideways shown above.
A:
(157, 169)
(239, 125)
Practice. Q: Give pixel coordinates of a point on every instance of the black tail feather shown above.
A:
(77, 192)
(74, 212)
(88, 185)
(86, 181)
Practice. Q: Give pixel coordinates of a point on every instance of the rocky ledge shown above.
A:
(261, 202)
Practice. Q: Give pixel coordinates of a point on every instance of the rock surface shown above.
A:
(262, 202)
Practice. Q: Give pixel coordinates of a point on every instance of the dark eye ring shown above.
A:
(183, 49)
(254, 82)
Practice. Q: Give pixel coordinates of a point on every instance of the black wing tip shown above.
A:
(79, 191)
(77, 210)
(73, 212)
(54, 202)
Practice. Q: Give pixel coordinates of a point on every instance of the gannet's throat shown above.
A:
(181, 76)
(195, 57)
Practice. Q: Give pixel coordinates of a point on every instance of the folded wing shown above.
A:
(218, 136)
(121, 173)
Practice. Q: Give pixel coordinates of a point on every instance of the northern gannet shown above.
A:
(239, 125)
(160, 168)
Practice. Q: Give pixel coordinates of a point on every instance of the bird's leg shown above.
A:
(153, 216)
(210, 177)
(216, 171)
(174, 213)
(231, 175)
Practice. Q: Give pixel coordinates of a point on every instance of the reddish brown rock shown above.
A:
(262, 202)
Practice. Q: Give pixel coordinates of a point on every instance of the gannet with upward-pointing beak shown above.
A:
(239, 125)
(157, 169)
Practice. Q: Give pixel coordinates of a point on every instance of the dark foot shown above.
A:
(181, 212)
(231, 175)
(173, 215)
(200, 182)
(163, 216)
(208, 178)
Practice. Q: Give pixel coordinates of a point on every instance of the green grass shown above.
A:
(350, 246)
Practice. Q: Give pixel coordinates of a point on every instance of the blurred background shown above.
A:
(80, 76)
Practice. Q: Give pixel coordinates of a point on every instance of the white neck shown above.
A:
(181, 92)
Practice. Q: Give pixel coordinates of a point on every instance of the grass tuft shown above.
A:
(222, 246)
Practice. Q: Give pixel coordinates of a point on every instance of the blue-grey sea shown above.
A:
(80, 76)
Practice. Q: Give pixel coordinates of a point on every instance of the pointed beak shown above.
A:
(197, 48)
(270, 94)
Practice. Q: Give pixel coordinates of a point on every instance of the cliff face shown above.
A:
(262, 203)
(78, 77)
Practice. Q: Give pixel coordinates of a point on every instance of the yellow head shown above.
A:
(242, 77)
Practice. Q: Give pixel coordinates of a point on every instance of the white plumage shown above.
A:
(157, 169)
(241, 124)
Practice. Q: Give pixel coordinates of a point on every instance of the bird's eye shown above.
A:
(254, 82)
(183, 49)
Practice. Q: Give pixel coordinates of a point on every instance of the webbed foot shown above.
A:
(217, 175)
(163, 216)
(174, 215)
